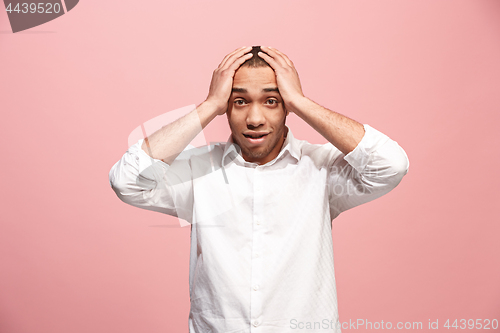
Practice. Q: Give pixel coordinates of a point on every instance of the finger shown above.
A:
(228, 55)
(287, 60)
(278, 58)
(237, 58)
(270, 60)
(237, 63)
(233, 55)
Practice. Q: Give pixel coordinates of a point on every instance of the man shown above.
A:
(261, 205)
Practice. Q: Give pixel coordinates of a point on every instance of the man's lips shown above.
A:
(255, 137)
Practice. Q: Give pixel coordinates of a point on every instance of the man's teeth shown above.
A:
(255, 136)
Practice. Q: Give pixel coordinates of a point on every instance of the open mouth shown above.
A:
(254, 136)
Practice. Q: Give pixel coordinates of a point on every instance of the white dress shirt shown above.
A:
(261, 235)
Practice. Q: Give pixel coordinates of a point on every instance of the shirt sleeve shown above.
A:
(145, 182)
(375, 167)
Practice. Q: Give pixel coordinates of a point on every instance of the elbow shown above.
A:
(392, 164)
(400, 164)
(128, 186)
(117, 188)
(404, 162)
(118, 183)
(113, 178)
(125, 191)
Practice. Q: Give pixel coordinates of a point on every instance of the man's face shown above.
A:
(255, 109)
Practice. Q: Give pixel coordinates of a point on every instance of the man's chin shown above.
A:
(255, 154)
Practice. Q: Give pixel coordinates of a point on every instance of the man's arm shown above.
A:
(140, 179)
(169, 141)
(372, 164)
(343, 132)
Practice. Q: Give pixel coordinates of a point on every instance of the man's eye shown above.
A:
(239, 102)
(272, 101)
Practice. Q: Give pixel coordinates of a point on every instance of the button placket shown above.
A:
(255, 294)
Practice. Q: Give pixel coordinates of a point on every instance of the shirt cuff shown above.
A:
(371, 141)
(148, 167)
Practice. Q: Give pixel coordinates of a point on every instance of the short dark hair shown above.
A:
(256, 61)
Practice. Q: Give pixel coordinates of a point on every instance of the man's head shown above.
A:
(256, 108)
(255, 61)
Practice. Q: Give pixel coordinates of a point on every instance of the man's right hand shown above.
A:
(222, 78)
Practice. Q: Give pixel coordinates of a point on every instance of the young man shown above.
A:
(261, 205)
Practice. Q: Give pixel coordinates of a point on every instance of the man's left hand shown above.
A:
(286, 76)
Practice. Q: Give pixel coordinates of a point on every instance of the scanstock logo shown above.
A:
(28, 14)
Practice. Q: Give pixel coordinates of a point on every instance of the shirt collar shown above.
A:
(232, 152)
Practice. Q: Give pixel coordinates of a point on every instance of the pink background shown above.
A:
(74, 258)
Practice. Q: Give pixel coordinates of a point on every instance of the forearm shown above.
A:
(169, 141)
(343, 132)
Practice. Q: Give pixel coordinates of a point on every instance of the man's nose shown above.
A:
(255, 116)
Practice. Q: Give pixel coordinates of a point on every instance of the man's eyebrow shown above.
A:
(271, 89)
(243, 90)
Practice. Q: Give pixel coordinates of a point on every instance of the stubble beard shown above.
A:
(259, 152)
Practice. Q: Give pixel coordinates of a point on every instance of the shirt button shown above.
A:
(256, 255)
(256, 287)
(256, 323)
(258, 222)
